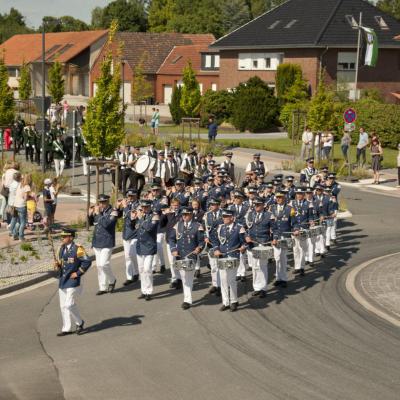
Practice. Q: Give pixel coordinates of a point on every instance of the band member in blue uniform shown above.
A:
(229, 242)
(186, 242)
(72, 262)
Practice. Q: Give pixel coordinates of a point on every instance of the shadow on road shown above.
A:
(114, 322)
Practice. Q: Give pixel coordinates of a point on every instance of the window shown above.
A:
(274, 25)
(346, 61)
(291, 23)
(214, 87)
(201, 88)
(210, 62)
(216, 61)
(259, 61)
(13, 72)
(381, 22)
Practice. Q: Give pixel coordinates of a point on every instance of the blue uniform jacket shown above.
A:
(182, 196)
(229, 238)
(302, 214)
(146, 228)
(333, 207)
(211, 223)
(322, 204)
(200, 194)
(104, 228)
(72, 260)
(240, 212)
(186, 240)
(129, 230)
(261, 229)
(283, 221)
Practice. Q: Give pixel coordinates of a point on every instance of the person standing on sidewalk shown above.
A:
(72, 262)
(212, 129)
(376, 154)
(362, 147)
(104, 219)
(21, 196)
(345, 144)
(307, 143)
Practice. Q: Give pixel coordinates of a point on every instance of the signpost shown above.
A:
(349, 116)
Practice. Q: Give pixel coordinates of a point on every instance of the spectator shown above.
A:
(398, 166)
(157, 122)
(376, 154)
(20, 204)
(54, 190)
(362, 147)
(327, 145)
(317, 146)
(7, 139)
(65, 110)
(12, 217)
(345, 144)
(212, 129)
(31, 206)
(48, 205)
(307, 144)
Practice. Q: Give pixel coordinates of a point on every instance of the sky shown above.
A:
(34, 10)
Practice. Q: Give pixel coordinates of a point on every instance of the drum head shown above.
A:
(142, 164)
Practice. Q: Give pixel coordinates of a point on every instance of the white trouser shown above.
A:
(280, 256)
(215, 276)
(334, 227)
(69, 309)
(310, 249)
(159, 257)
(104, 272)
(131, 267)
(86, 168)
(228, 286)
(320, 244)
(59, 166)
(299, 253)
(329, 232)
(145, 264)
(260, 272)
(242, 265)
(175, 274)
(187, 283)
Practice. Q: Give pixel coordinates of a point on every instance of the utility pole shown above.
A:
(358, 57)
(43, 96)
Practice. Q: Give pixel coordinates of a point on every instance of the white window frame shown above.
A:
(216, 61)
(214, 87)
(258, 61)
(208, 61)
(345, 61)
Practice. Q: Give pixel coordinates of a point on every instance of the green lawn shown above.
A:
(285, 146)
(174, 129)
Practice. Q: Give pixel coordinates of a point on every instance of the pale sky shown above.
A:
(34, 10)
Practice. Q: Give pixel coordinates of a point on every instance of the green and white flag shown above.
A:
(370, 47)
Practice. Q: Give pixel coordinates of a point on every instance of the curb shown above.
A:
(45, 276)
(359, 298)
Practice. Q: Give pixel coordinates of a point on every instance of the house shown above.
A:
(205, 63)
(153, 49)
(77, 51)
(316, 35)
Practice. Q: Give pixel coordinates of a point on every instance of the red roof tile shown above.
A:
(64, 45)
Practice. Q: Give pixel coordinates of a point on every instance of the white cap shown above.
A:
(48, 181)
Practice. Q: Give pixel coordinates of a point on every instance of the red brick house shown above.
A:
(205, 63)
(158, 47)
(316, 35)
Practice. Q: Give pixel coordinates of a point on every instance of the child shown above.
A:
(31, 205)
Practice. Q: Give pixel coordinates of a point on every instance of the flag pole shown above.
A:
(358, 57)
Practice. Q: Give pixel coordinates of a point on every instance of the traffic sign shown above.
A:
(350, 116)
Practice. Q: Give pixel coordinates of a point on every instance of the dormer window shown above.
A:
(210, 62)
(382, 23)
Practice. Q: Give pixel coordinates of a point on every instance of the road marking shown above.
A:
(351, 288)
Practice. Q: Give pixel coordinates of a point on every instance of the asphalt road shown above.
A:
(309, 341)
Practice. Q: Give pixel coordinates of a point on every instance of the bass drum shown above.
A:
(142, 164)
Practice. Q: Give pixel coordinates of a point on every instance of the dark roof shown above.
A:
(311, 23)
(157, 45)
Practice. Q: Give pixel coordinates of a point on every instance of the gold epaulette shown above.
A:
(80, 251)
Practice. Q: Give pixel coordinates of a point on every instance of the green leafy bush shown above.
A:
(175, 105)
(216, 103)
(285, 77)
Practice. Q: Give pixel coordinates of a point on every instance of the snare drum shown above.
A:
(314, 232)
(228, 263)
(319, 230)
(185, 264)
(302, 235)
(286, 243)
(262, 252)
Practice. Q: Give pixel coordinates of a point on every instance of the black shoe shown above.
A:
(197, 273)
(213, 290)
(238, 278)
(64, 333)
(173, 284)
(234, 306)
(302, 272)
(154, 271)
(224, 308)
(277, 283)
(135, 278)
(296, 271)
(218, 294)
(317, 254)
(242, 279)
(111, 287)
(307, 262)
(208, 266)
(142, 296)
(322, 255)
(162, 269)
(262, 294)
(80, 328)
(311, 264)
(283, 284)
(256, 293)
(101, 292)
(185, 305)
(128, 282)
(178, 284)
(147, 297)
(328, 247)
(248, 268)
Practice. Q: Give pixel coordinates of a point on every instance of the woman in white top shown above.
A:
(327, 144)
(21, 196)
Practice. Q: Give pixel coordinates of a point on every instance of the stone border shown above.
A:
(351, 288)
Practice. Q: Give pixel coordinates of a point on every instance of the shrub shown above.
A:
(216, 103)
(254, 107)
(286, 117)
(175, 105)
(190, 99)
(285, 77)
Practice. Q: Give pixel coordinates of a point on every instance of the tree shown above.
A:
(175, 105)
(104, 125)
(142, 89)
(259, 7)
(254, 106)
(216, 103)
(191, 92)
(285, 77)
(56, 82)
(63, 24)
(11, 24)
(235, 13)
(130, 14)
(391, 7)
(322, 109)
(25, 86)
(7, 106)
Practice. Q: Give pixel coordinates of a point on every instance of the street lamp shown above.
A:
(123, 61)
(43, 94)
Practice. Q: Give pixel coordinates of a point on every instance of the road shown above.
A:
(310, 341)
